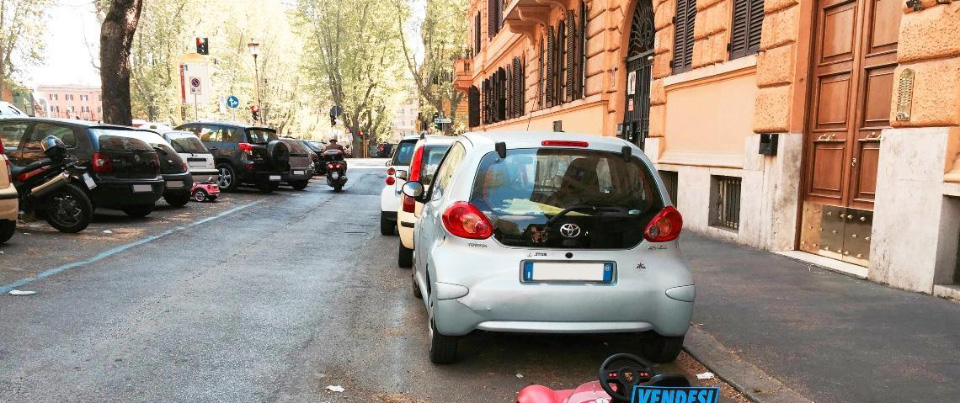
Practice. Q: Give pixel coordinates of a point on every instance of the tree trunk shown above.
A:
(116, 39)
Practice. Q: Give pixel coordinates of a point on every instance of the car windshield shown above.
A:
(404, 153)
(432, 154)
(531, 193)
(261, 136)
(186, 143)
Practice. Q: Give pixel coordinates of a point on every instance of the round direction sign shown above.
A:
(233, 102)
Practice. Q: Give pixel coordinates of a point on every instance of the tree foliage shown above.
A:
(21, 36)
(355, 59)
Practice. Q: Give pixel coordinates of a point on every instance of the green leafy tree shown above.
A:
(21, 36)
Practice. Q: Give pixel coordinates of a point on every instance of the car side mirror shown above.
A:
(402, 175)
(413, 189)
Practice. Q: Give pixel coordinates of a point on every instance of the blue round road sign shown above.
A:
(233, 102)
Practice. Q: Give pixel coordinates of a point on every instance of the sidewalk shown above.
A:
(829, 337)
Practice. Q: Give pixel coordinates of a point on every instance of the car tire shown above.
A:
(228, 177)
(443, 349)
(404, 257)
(416, 289)
(661, 349)
(299, 185)
(266, 186)
(201, 195)
(139, 211)
(7, 229)
(178, 200)
(387, 227)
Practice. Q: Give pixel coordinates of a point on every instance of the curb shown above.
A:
(743, 376)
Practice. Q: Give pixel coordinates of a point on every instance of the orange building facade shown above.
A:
(789, 125)
(72, 102)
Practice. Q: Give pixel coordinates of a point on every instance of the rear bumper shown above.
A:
(119, 193)
(291, 177)
(9, 203)
(170, 181)
(405, 223)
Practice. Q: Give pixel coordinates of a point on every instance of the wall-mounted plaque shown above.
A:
(905, 95)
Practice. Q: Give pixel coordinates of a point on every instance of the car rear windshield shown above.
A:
(404, 153)
(186, 143)
(296, 148)
(431, 160)
(261, 136)
(120, 140)
(529, 195)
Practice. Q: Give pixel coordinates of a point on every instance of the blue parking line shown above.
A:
(113, 251)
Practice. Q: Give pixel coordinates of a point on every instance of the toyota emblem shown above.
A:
(570, 230)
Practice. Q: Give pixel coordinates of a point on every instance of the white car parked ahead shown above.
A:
(426, 158)
(390, 194)
(198, 157)
(549, 233)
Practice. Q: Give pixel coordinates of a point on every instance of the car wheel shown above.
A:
(200, 195)
(178, 200)
(404, 257)
(228, 178)
(387, 227)
(443, 349)
(299, 185)
(337, 188)
(266, 186)
(661, 349)
(140, 211)
(7, 228)
(416, 289)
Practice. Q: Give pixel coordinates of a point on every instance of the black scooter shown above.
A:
(336, 169)
(54, 187)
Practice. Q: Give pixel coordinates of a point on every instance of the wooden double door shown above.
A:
(852, 82)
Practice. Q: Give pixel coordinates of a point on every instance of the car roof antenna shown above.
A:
(627, 153)
(501, 148)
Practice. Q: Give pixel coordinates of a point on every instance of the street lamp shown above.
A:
(254, 49)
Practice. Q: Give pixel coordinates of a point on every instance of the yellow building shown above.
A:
(825, 130)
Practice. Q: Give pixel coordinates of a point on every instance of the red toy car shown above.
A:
(618, 375)
(206, 191)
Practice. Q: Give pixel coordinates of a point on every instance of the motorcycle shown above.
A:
(53, 186)
(336, 169)
(619, 374)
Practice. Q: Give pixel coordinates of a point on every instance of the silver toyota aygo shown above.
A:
(550, 233)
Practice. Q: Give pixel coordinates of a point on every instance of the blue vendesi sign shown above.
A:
(658, 394)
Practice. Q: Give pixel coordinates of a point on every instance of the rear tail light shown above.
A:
(331, 165)
(665, 226)
(2, 150)
(156, 163)
(9, 173)
(102, 163)
(246, 147)
(464, 220)
(391, 181)
(183, 164)
(250, 165)
(409, 204)
(415, 165)
(391, 172)
(564, 143)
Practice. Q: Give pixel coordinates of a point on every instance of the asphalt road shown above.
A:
(253, 298)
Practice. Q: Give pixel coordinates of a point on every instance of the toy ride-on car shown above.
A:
(206, 191)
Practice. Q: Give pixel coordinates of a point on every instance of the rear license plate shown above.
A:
(275, 178)
(87, 180)
(335, 175)
(198, 164)
(174, 184)
(142, 188)
(298, 172)
(597, 272)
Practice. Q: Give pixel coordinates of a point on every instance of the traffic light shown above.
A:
(255, 113)
(202, 47)
(361, 135)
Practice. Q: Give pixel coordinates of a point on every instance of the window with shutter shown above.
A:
(476, 34)
(746, 27)
(551, 62)
(473, 102)
(519, 93)
(683, 36)
(571, 55)
(509, 93)
(541, 77)
(560, 67)
(582, 52)
(502, 95)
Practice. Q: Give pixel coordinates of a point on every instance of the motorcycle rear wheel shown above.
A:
(68, 209)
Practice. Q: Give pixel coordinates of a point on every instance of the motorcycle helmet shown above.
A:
(53, 148)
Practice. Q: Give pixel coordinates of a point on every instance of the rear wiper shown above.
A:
(580, 207)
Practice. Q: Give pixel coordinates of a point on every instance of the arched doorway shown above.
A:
(639, 61)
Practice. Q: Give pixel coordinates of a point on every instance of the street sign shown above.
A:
(442, 121)
(195, 86)
(233, 102)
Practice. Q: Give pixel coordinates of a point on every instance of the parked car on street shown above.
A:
(8, 110)
(244, 154)
(317, 148)
(9, 207)
(199, 159)
(301, 165)
(125, 169)
(426, 157)
(390, 194)
(177, 178)
(564, 233)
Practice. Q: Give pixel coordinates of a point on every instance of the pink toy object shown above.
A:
(618, 375)
(207, 191)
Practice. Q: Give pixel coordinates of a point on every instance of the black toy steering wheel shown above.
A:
(623, 371)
